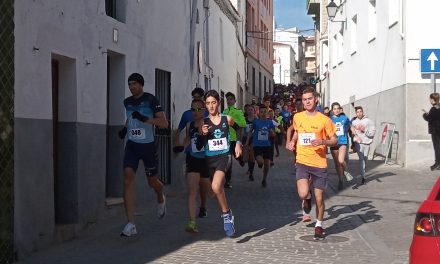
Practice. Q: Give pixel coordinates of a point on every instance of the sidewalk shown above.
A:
(370, 223)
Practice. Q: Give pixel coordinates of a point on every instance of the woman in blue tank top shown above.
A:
(343, 124)
(215, 139)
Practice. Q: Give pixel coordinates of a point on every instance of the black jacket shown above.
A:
(433, 118)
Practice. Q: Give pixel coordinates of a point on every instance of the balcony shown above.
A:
(313, 7)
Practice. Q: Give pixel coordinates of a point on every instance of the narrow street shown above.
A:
(371, 223)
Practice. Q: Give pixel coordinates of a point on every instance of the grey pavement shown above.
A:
(369, 223)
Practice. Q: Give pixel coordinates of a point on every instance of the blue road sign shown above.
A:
(429, 61)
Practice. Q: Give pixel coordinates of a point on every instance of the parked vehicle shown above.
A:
(425, 246)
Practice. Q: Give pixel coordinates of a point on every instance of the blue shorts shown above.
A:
(144, 151)
(318, 176)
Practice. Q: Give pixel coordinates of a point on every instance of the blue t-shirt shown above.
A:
(261, 135)
(342, 124)
(287, 116)
(146, 105)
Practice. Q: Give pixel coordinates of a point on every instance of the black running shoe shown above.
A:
(203, 213)
(263, 183)
(228, 185)
(307, 205)
(251, 177)
(340, 185)
(363, 180)
(319, 233)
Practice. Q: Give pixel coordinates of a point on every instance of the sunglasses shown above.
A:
(197, 109)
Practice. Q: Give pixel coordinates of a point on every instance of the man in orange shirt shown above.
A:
(313, 132)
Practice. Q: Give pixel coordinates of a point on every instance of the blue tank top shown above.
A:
(342, 124)
(261, 133)
(218, 141)
(193, 134)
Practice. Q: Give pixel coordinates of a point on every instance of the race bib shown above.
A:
(137, 133)
(305, 139)
(263, 135)
(339, 129)
(217, 144)
(193, 146)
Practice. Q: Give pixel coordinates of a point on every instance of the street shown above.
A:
(370, 223)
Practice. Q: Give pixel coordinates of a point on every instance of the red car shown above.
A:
(425, 246)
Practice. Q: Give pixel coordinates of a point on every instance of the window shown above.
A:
(340, 51)
(334, 51)
(116, 9)
(222, 52)
(353, 35)
(253, 80)
(393, 12)
(372, 20)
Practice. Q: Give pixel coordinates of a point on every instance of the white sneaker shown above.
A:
(129, 229)
(348, 176)
(162, 209)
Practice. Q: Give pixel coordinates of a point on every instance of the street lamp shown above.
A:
(332, 9)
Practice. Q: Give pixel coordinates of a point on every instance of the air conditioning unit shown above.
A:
(206, 4)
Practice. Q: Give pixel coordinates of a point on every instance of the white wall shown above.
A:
(284, 72)
(377, 64)
(84, 32)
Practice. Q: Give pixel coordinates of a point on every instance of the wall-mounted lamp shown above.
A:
(35, 48)
(332, 9)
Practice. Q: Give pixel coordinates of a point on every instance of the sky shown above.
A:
(292, 13)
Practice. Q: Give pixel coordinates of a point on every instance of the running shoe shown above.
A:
(203, 213)
(264, 183)
(162, 208)
(251, 177)
(363, 180)
(340, 185)
(227, 185)
(348, 176)
(306, 218)
(191, 227)
(129, 229)
(228, 223)
(319, 233)
(307, 205)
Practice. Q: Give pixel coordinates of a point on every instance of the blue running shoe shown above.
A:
(228, 223)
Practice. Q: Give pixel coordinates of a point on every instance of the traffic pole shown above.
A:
(433, 82)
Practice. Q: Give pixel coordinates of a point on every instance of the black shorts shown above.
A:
(197, 165)
(220, 162)
(146, 152)
(265, 152)
(337, 146)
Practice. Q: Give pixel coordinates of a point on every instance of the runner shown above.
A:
(262, 131)
(195, 163)
(313, 133)
(248, 151)
(235, 133)
(215, 139)
(363, 137)
(143, 113)
(339, 152)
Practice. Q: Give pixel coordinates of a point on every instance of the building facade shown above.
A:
(70, 67)
(373, 59)
(284, 67)
(259, 47)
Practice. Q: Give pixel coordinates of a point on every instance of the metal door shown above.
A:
(163, 136)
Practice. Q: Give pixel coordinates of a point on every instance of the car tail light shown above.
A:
(427, 224)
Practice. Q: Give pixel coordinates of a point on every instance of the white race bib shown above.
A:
(137, 133)
(305, 139)
(217, 144)
(339, 129)
(193, 146)
(263, 135)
